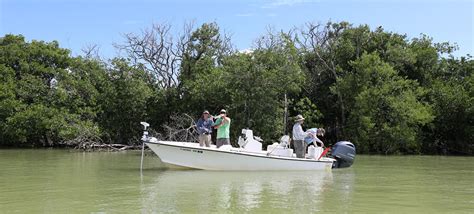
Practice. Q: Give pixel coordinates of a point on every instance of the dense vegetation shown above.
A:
(386, 93)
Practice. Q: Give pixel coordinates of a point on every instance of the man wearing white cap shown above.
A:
(222, 125)
(298, 137)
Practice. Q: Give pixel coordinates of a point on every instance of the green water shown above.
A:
(62, 181)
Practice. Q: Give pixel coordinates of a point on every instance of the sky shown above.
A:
(76, 24)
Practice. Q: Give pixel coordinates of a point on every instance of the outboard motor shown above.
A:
(344, 152)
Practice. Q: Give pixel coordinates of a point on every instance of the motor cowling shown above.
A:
(344, 152)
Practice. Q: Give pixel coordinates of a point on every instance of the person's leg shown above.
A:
(208, 140)
(222, 141)
(299, 148)
(219, 142)
(202, 140)
(296, 144)
(305, 145)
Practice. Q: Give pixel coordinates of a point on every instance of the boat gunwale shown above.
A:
(239, 153)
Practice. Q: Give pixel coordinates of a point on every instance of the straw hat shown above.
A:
(299, 118)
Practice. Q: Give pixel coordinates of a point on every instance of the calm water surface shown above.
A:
(63, 181)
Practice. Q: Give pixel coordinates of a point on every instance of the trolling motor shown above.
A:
(344, 152)
(144, 139)
(145, 132)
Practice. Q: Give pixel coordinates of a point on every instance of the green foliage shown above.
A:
(386, 114)
(250, 86)
(256, 91)
(386, 93)
(304, 106)
(452, 95)
(260, 82)
(36, 94)
(124, 102)
(201, 70)
(401, 111)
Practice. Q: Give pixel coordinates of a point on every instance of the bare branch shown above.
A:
(182, 128)
(155, 50)
(91, 51)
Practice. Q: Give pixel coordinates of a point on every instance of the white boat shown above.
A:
(249, 156)
(191, 155)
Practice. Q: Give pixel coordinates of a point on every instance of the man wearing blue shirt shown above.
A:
(204, 128)
(312, 137)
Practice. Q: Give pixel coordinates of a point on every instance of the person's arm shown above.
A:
(312, 133)
(318, 140)
(299, 133)
(223, 120)
(226, 119)
(199, 126)
(209, 126)
(217, 123)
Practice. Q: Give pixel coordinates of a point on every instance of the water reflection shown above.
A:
(342, 192)
(208, 191)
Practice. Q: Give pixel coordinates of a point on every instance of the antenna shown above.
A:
(285, 117)
(144, 139)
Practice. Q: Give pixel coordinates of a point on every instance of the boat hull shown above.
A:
(192, 156)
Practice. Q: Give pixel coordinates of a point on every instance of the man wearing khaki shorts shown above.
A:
(204, 128)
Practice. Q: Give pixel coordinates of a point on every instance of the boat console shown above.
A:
(248, 142)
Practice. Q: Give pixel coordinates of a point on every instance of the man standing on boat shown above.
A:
(298, 137)
(222, 125)
(204, 128)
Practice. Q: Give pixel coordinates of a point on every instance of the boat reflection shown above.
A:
(214, 191)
